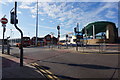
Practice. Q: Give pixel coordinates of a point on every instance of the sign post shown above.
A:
(4, 22)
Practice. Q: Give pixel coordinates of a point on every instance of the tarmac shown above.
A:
(11, 69)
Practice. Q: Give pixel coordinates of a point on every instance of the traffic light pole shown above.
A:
(21, 46)
(58, 28)
(66, 41)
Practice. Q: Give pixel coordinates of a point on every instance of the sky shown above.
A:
(66, 14)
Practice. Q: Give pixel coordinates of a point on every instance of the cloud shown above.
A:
(47, 27)
(70, 13)
(42, 19)
(19, 12)
(25, 5)
(62, 0)
(33, 16)
(110, 14)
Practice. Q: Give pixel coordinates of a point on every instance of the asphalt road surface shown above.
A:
(69, 64)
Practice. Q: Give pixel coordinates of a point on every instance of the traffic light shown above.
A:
(66, 35)
(58, 27)
(13, 18)
(58, 35)
(75, 30)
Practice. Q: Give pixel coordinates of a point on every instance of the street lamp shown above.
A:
(36, 41)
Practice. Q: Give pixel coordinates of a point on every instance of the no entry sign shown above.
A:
(4, 21)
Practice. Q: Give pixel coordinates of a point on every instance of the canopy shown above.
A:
(100, 26)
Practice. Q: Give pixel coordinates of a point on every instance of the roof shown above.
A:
(100, 26)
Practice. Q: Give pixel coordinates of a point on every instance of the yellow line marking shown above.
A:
(56, 77)
(48, 71)
(53, 77)
(36, 64)
(50, 77)
(38, 67)
(42, 71)
(32, 64)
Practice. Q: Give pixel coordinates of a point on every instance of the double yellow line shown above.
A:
(44, 71)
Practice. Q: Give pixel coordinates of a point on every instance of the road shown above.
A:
(69, 64)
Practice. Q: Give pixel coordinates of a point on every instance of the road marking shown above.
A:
(56, 77)
(36, 64)
(48, 71)
(43, 71)
(50, 77)
(32, 64)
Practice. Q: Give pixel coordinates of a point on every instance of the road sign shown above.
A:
(4, 21)
(4, 25)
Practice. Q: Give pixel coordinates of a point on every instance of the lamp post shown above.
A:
(58, 28)
(37, 26)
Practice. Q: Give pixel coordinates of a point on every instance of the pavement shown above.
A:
(11, 70)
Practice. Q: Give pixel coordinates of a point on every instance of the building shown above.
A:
(48, 39)
(101, 31)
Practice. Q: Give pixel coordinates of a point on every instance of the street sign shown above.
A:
(4, 21)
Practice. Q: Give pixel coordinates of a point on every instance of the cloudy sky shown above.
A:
(51, 14)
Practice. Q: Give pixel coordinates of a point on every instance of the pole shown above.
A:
(8, 46)
(21, 46)
(66, 41)
(11, 37)
(76, 45)
(3, 39)
(77, 40)
(58, 28)
(86, 36)
(93, 32)
(37, 24)
(58, 37)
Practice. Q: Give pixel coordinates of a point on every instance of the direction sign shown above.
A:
(4, 21)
